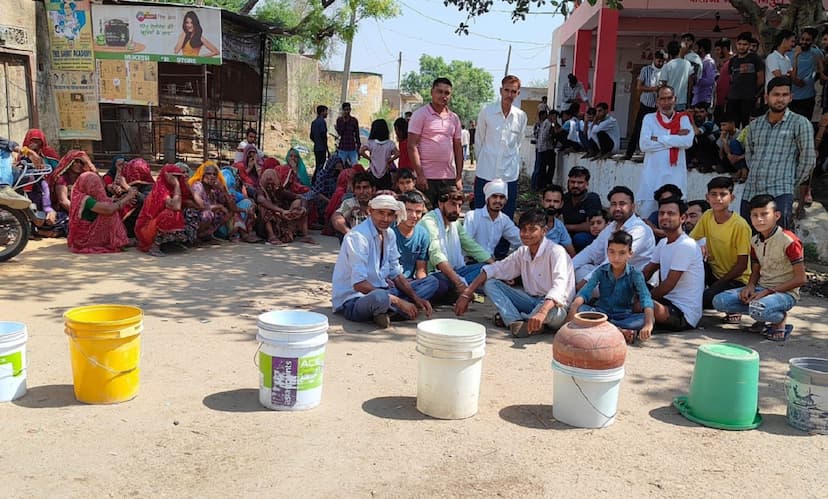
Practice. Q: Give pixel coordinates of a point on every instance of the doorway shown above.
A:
(15, 106)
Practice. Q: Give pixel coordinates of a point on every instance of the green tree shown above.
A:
(471, 86)
(768, 19)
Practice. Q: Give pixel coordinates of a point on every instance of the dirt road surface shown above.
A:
(196, 428)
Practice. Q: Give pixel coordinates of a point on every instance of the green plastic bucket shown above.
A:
(724, 389)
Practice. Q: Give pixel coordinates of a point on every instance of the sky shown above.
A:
(427, 27)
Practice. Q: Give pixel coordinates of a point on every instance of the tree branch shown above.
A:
(247, 7)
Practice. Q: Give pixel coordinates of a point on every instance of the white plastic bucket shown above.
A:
(585, 398)
(291, 359)
(12, 360)
(449, 368)
(807, 390)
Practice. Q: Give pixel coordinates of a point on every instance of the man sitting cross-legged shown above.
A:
(487, 225)
(368, 281)
(548, 281)
(449, 241)
(412, 238)
(677, 300)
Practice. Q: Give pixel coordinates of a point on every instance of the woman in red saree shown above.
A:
(282, 210)
(62, 178)
(135, 173)
(94, 224)
(35, 140)
(162, 218)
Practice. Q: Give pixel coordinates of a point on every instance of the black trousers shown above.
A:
(604, 144)
(321, 158)
(741, 109)
(804, 107)
(546, 173)
(636, 135)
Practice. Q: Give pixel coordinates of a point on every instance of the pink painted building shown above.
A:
(606, 48)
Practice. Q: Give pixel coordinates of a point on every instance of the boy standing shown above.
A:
(548, 281)
(777, 272)
(619, 283)
(724, 237)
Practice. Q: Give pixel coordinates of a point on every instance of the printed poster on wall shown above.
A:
(128, 82)
(77, 101)
(160, 33)
(70, 35)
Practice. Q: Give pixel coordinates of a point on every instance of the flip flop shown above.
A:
(780, 334)
(630, 335)
(498, 320)
(308, 240)
(275, 242)
(519, 329)
(732, 319)
(757, 328)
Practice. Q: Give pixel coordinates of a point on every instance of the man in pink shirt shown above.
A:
(434, 145)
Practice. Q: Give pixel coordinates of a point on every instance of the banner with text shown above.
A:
(70, 35)
(128, 82)
(77, 102)
(160, 33)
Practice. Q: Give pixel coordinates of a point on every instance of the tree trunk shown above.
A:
(247, 7)
(797, 14)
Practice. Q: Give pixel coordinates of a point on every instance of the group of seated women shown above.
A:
(251, 200)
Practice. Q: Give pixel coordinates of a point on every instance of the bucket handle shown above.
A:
(256, 355)
(94, 361)
(609, 418)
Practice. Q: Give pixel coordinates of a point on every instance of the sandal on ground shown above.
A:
(308, 240)
(155, 252)
(498, 320)
(732, 319)
(780, 334)
(252, 238)
(756, 328)
(630, 335)
(275, 242)
(519, 329)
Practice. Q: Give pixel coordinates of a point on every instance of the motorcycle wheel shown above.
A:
(14, 232)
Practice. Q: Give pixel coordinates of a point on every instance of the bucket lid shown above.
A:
(680, 403)
(12, 332)
(292, 321)
(730, 351)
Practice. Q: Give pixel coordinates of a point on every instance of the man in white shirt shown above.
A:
(622, 210)
(500, 130)
(548, 281)
(604, 134)
(573, 94)
(464, 140)
(778, 63)
(488, 225)
(368, 261)
(665, 136)
(677, 300)
(249, 140)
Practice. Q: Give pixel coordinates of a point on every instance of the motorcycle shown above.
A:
(17, 212)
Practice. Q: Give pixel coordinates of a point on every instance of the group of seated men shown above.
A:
(397, 258)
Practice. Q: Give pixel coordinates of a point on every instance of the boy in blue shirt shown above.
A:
(619, 284)
(412, 239)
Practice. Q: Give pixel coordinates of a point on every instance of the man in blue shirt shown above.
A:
(412, 239)
(551, 202)
(319, 137)
(368, 281)
(807, 66)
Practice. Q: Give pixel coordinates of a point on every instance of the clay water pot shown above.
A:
(589, 341)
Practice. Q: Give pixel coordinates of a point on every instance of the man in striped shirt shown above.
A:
(779, 152)
(647, 84)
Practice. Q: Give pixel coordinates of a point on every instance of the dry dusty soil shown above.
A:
(196, 428)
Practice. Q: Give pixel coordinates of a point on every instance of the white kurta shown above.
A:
(657, 168)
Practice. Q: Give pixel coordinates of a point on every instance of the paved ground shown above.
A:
(196, 428)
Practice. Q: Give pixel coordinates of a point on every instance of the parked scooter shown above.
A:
(17, 212)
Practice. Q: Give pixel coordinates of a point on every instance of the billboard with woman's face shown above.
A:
(157, 33)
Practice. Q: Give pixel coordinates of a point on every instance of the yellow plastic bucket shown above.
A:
(105, 346)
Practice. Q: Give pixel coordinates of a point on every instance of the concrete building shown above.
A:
(364, 94)
(18, 68)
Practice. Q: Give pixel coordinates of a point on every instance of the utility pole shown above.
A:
(346, 72)
(508, 59)
(399, 82)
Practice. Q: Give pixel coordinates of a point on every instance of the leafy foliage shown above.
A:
(520, 8)
(472, 87)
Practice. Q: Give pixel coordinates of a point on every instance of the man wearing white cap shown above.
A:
(488, 224)
(368, 281)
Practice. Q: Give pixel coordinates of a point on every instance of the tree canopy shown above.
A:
(768, 19)
(471, 86)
